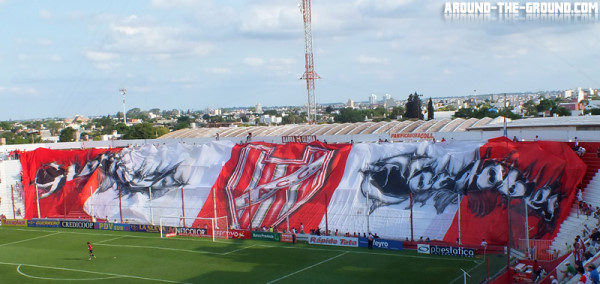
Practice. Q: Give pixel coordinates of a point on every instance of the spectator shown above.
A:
(593, 273)
(536, 271)
(484, 244)
(249, 137)
(553, 280)
(370, 241)
(515, 139)
(582, 278)
(576, 142)
(569, 270)
(301, 228)
(537, 138)
(217, 137)
(598, 153)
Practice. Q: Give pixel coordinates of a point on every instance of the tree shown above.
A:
(67, 135)
(397, 111)
(328, 109)
(143, 130)
(184, 122)
(413, 107)
(349, 115)
(430, 110)
(161, 130)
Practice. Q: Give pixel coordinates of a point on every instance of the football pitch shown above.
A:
(50, 255)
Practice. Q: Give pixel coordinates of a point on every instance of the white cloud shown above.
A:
(218, 70)
(45, 14)
(98, 56)
(173, 3)
(54, 58)
(24, 57)
(271, 19)
(254, 61)
(18, 90)
(372, 60)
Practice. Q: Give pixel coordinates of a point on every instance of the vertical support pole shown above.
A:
(151, 209)
(412, 238)
(37, 194)
(183, 207)
(368, 213)
(214, 190)
(91, 205)
(287, 214)
(326, 217)
(459, 234)
(527, 230)
(12, 196)
(250, 210)
(120, 205)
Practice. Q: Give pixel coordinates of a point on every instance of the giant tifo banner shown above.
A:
(352, 188)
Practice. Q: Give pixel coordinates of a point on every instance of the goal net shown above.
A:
(215, 228)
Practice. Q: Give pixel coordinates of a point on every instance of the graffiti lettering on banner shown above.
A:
(380, 244)
(265, 236)
(144, 228)
(445, 250)
(111, 226)
(77, 224)
(43, 223)
(191, 232)
(333, 241)
(239, 234)
(299, 139)
(14, 222)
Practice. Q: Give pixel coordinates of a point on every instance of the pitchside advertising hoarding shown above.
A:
(265, 236)
(14, 222)
(239, 234)
(144, 228)
(191, 232)
(380, 244)
(77, 224)
(333, 241)
(46, 223)
(445, 250)
(112, 226)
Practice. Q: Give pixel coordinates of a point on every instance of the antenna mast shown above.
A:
(309, 75)
(123, 92)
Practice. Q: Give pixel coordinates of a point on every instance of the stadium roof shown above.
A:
(419, 126)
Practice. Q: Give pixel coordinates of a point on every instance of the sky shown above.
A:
(62, 58)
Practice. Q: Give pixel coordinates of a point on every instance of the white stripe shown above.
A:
(94, 272)
(161, 248)
(30, 239)
(306, 268)
(225, 253)
(105, 241)
(64, 279)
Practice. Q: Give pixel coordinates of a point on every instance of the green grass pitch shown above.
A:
(50, 255)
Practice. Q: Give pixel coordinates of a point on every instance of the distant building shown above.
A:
(350, 103)
(373, 99)
(259, 108)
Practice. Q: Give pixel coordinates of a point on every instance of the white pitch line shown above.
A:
(94, 272)
(30, 239)
(306, 268)
(104, 241)
(226, 253)
(151, 247)
(64, 279)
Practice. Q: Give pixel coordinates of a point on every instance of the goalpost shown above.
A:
(215, 228)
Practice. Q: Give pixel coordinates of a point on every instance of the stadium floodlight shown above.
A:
(172, 226)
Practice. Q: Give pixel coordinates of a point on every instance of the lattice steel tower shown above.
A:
(309, 75)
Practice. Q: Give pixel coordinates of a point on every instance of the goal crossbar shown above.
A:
(216, 228)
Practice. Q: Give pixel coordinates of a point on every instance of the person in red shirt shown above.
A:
(91, 249)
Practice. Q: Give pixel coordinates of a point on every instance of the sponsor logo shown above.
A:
(145, 228)
(43, 223)
(412, 135)
(14, 222)
(267, 236)
(381, 244)
(299, 139)
(238, 234)
(287, 238)
(77, 224)
(333, 241)
(421, 248)
(112, 227)
(182, 231)
(446, 250)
